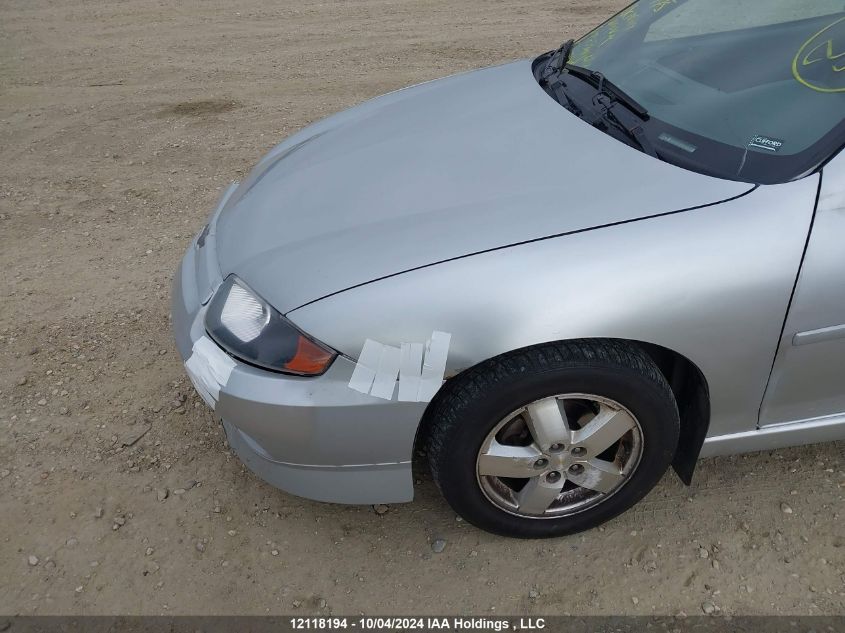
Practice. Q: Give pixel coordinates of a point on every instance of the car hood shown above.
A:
(442, 170)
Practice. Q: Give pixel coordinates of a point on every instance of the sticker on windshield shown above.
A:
(766, 142)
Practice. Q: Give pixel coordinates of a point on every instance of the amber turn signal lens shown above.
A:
(310, 358)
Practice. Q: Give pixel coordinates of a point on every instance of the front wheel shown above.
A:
(552, 439)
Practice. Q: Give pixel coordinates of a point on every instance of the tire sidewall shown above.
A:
(656, 414)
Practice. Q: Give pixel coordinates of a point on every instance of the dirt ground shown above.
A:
(120, 122)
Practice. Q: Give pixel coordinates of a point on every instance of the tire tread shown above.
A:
(460, 391)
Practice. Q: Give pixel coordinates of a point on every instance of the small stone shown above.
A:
(533, 594)
(708, 607)
(33, 560)
(381, 508)
(162, 493)
(42, 402)
(297, 604)
(179, 491)
(149, 551)
(79, 589)
(200, 546)
(635, 600)
(21, 381)
(785, 508)
(72, 542)
(438, 545)
(274, 552)
(323, 604)
(98, 513)
(703, 553)
(232, 532)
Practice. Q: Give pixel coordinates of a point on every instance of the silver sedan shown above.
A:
(553, 279)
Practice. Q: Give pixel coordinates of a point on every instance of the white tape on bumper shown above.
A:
(209, 368)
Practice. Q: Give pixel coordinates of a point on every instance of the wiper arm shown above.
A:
(634, 132)
(607, 96)
(604, 85)
(554, 67)
(558, 60)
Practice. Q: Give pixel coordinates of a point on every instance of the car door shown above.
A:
(808, 377)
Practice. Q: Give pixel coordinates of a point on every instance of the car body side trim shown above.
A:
(817, 336)
(798, 433)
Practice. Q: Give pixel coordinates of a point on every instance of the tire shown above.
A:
(497, 420)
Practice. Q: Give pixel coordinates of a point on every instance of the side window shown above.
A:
(700, 17)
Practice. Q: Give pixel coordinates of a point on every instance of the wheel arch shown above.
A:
(688, 384)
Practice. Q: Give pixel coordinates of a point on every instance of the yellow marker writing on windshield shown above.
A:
(824, 50)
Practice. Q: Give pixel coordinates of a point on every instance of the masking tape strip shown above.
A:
(420, 369)
(209, 368)
(388, 369)
(366, 367)
(410, 367)
(434, 366)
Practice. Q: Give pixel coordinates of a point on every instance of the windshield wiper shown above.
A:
(607, 96)
(604, 100)
(635, 132)
(558, 60)
(554, 67)
(604, 85)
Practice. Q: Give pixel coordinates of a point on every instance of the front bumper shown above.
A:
(312, 437)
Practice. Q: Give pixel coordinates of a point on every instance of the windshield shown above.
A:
(751, 90)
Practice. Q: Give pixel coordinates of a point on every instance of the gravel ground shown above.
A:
(120, 122)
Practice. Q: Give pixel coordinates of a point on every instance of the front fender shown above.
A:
(713, 284)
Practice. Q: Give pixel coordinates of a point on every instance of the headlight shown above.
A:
(252, 330)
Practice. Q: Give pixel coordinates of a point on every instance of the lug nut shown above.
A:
(556, 447)
(553, 477)
(576, 469)
(541, 463)
(579, 451)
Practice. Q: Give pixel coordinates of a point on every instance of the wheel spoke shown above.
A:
(598, 475)
(538, 494)
(602, 431)
(547, 422)
(500, 460)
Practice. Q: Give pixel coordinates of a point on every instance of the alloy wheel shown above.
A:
(559, 455)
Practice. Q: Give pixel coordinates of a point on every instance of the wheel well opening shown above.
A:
(691, 393)
(688, 385)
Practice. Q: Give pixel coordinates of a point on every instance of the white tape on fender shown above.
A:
(410, 368)
(209, 368)
(366, 367)
(434, 366)
(388, 368)
(420, 369)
